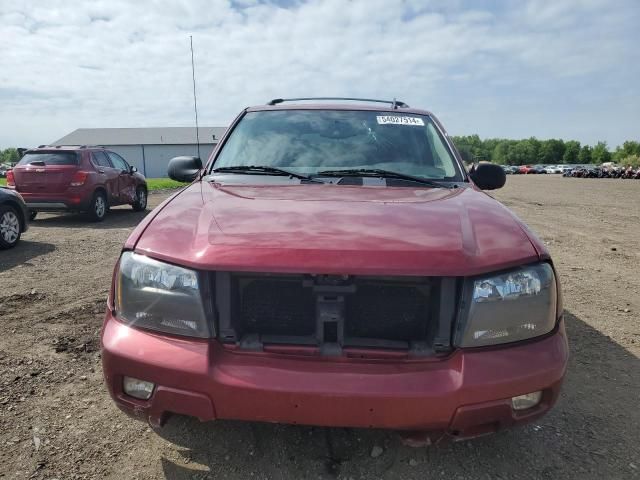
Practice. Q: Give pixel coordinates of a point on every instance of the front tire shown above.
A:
(98, 207)
(140, 203)
(10, 227)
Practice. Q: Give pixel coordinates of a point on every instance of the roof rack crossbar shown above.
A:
(395, 104)
(76, 145)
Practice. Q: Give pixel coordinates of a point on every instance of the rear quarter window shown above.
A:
(117, 161)
(50, 158)
(100, 159)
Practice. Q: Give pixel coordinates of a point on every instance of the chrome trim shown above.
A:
(48, 205)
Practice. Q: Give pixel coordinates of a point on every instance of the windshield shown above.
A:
(50, 158)
(310, 141)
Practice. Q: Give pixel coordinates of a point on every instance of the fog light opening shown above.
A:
(526, 401)
(137, 388)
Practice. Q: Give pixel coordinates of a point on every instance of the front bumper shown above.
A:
(466, 394)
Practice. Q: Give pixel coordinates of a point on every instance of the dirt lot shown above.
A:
(56, 420)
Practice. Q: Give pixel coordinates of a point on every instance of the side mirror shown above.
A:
(184, 169)
(132, 169)
(488, 176)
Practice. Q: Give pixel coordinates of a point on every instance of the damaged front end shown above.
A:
(333, 315)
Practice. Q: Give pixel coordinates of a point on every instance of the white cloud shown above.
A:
(496, 71)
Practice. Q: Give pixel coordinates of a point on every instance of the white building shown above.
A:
(148, 149)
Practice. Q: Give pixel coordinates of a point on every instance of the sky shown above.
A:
(551, 69)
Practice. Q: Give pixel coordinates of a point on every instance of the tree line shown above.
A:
(531, 151)
(10, 156)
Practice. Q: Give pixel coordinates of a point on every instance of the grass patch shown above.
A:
(3, 182)
(163, 184)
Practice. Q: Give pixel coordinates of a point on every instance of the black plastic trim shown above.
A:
(224, 308)
(331, 315)
(395, 104)
(446, 314)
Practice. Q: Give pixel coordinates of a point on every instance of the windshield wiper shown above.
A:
(378, 172)
(261, 169)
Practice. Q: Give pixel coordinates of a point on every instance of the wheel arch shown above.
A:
(101, 189)
(18, 209)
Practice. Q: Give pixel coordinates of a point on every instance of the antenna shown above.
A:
(195, 103)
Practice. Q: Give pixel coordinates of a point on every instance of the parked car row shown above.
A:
(604, 172)
(534, 169)
(82, 179)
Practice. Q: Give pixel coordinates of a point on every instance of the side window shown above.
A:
(100, 159)
(118, 161)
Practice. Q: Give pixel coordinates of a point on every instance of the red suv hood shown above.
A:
(336, 229)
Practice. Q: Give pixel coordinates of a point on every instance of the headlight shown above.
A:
(512, 306)
(155, 295)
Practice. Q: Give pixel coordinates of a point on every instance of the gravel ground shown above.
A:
(56, 420)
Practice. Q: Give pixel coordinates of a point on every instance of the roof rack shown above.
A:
(79, 146)
(395, 104)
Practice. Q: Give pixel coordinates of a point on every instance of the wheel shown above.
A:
(141, 199)
(98, 207)
(10, 227)
(33, 215)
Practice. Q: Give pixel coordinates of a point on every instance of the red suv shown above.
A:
(334, 264)
(84, 179)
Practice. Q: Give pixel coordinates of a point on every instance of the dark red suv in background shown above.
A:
(77, 178)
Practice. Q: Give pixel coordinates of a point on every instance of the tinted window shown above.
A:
(50, 158)
(307, 141)
(118, 161)
(100, 159)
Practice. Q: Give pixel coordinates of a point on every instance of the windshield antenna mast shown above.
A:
(195, 103)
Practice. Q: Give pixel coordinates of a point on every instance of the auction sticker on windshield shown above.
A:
(399, 120)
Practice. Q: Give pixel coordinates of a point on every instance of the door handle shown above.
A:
(100, 170)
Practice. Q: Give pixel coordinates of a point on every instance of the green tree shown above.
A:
(489, 145)
(10, 155)
(628, 149)
(532, 146)
(524, 152)
(551, 151)
(463, 148)
(505, 151)
(633, 160)
(502, 153)
(571, 152)
(600, 153)
(585, 155)
(471, 148)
